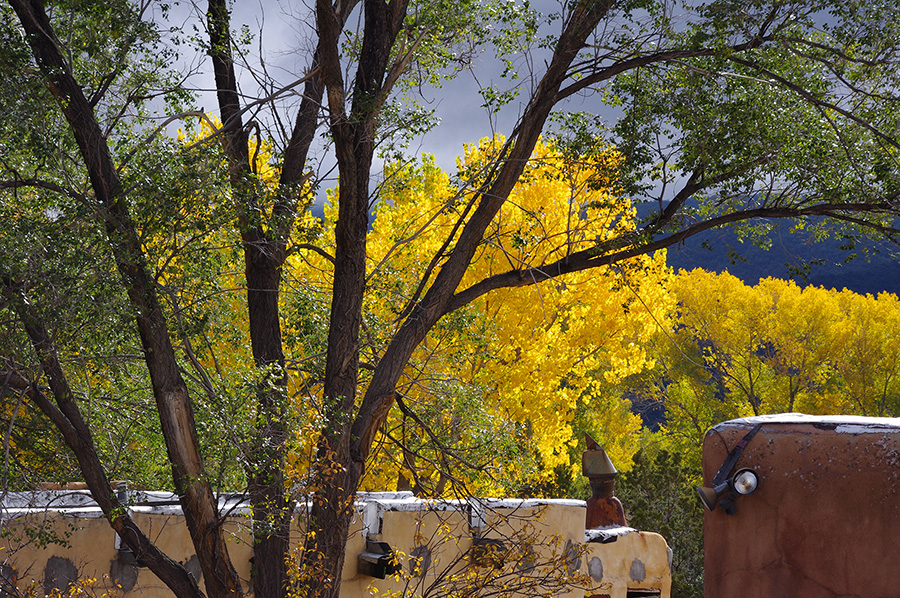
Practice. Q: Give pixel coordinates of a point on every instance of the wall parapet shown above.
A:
(55, 536)
(821, 518)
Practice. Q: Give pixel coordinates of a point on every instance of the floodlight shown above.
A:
(745, 482)
(710, 496)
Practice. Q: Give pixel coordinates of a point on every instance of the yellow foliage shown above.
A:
(775, 347)
(520, 360)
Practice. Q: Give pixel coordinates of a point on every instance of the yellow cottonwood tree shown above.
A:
(867, 361)
(741, 350)
(488, 399)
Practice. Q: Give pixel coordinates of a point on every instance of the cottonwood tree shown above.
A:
(497, 385)
(736, 351)
(730, 112)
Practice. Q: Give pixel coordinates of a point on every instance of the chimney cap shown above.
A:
(594, 461)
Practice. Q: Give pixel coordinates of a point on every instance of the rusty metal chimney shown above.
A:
(603, 509)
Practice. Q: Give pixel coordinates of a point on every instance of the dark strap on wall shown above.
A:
(734, 455)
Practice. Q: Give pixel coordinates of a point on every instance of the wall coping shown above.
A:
(841, 424)
(370, 505)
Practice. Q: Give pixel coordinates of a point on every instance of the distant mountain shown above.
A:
(871, 267)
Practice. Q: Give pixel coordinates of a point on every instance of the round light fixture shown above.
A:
(745, 482)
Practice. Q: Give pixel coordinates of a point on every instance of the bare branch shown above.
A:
(623, 66)
(589, 258)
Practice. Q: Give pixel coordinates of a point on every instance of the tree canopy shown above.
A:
(738, 350)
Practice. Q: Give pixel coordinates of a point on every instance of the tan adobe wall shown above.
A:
(432, 539)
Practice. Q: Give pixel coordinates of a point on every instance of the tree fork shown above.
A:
(332, 507)
(347, 450)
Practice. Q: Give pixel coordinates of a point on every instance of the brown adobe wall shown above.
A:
(825, 520)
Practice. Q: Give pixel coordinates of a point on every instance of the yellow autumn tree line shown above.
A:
(740, 350)
(490, 399)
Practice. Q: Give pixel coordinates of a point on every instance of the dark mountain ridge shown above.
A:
(871, 266)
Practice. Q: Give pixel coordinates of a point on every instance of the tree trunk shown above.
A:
(354, 139)
(169, 389)
(266, 485)
(332, 507)
(264, 256)
(343, 449)
(67, 418)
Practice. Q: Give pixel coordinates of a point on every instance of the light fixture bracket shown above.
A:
(722, 484)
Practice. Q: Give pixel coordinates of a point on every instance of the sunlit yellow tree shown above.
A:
(489, 397)
(867, 362)
(741, 350)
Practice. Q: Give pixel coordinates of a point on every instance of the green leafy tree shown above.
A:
(659, 495)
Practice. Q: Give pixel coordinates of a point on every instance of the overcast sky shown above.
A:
(283, 42)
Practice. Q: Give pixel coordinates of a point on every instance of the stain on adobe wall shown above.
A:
(193, 568)
(595, 569)
(637, 572)
(825, 518)
(59, 572)
(124, 575)
(419, 561)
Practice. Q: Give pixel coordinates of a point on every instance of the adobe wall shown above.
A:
(825, 519)
(432, 539)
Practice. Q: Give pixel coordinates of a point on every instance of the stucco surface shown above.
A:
(825, 519)
(435, 535)
(636, 561)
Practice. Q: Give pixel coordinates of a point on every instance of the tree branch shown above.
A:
(381, 391)
(41, 184)
(641, 61)
(588, 258)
